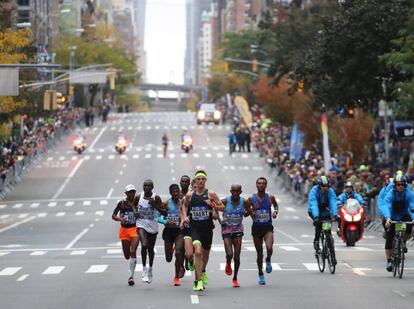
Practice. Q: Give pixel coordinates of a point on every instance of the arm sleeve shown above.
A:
(161, 219)
(387, 205)
(359, 198)
(411, 203)
(333, 202)
(313, 203)
(380, 200)
(341, 199)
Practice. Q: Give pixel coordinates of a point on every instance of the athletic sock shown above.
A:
(268, 259)
(132, 265)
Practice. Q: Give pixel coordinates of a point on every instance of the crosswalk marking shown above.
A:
(60, 214)
(37, 253)
(9, 271)
(94, 269)
(290, 248)
(362, 249)
(196, 155)
(250, 248)
(111, 157)
(135, 156)
(311, 266)
(34, 205)
(217, 249)
(53, 270)
(78, 252)
(99, 157)
(208, 155)
(159, 155)
(86, 203)
(23, 277)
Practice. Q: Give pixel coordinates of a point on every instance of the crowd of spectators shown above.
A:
(273, 143)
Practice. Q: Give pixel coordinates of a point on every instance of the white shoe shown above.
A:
(149, 275)
(144, 276)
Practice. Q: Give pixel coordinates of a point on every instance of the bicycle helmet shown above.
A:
(324, 181)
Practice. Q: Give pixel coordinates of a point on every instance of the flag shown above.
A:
(326, 152)
(244, 110)
(296, 143)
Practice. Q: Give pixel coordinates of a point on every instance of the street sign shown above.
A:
(9, 81)
(88, 77)
(404, 129)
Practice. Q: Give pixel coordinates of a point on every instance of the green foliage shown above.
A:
(401, 59)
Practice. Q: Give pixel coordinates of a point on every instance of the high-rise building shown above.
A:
(205, 47)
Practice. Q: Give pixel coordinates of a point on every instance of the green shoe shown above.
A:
(204, 278)
(195, 286)
(200, 286)
(191, 265)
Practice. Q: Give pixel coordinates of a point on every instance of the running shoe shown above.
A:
(182, 272)
(191, 265)
(195, 285)
(235, 284)
(262, 280)
(200, 286)
(204, 278)
(269, 267)
(144, 276)
(176, 281)
(131, 281)
(149, 275)
(228, 269)
(389, 266)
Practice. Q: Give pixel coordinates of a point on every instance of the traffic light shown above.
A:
(255, 66)
(350, 113)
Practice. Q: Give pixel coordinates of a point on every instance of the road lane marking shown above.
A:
(360, 271)
(289, 248)
(110, 193)
(9, 271)
(37, 253)
(52, 204)
(290, 209)
(311, 266)
(65, 183)
(103, 202)
(94, 269)
(34, 205)
(69, 204)
(98, 157)
(86, 203)
(250, 248)
(362, 249)
(60, 214)
(79, 213)
(17, 224)
(4, 253)
(23, 277)
(4, 216)
(97, 137)
(18, 206)
(399, 293)
(3, 206)
(194, 299)
(42, 215)
(75, 240)
(287, 235)
(21, 216)
(78, 252)
(53, 270)
(217, 249)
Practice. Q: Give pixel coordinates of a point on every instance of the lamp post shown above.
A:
(72, 50)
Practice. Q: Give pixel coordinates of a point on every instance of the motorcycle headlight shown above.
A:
(348, 218)
(217, 114)
(357, 217)
(201, 115)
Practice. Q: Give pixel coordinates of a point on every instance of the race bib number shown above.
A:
(233, 219)
(129, 215)
(262, 216)
(147, 214)
(173, 218)
(200, 214)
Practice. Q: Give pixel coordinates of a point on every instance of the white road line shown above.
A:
(65, 183)
(103, 202)
(110, 193)
(23, 277)
(250, 248)
(135, 156)
(147, 156)
(208, 155)
(113, 251)
(99, 213)
(97, 138)
(79, 213)
(4, 216)
(194, 299)
(4, 253)
(289, 248)
(287, 235)
(9, 271)
(61, 158)
(94, 269)
(21, 216)
(70, 245)
(60, 214)
(196, 155)
(362, 249)
(49, 159)
(86, 203)
(311, 266)
(359, 271)
(70, 203)
(217, 249)
(78, 252)
(121, 173)
(290, 209)
(111, 157)
(3, 206)
(38, 253)
(34, 205)
(18, 206)
(42, 214)
(53, 270)
(52, 204)
(17, 224)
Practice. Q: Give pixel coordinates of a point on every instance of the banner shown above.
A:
(296, 143)
(244, 110)
(326, 152)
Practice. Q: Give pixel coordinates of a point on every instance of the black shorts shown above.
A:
(203, 236)
(186, 232)
(259, 231)
(170, 234)
(391, 232)
(232, 235)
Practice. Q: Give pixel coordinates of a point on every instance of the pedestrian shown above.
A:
(247, 138)
(147, 203)
(124, 213)
(265, 208)
(240, 140)
(232, 142)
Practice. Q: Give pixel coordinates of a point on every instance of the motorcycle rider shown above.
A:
(344, 196)
(80, 137)
(186, 135)
(397, 206)
(322, 205)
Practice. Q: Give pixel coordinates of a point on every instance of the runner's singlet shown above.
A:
(200, 212)
(147, 215)
(262, 209)
(233, 217)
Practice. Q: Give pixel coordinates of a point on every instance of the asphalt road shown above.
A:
(59, 247)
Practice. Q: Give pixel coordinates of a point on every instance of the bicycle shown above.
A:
(327, 252)
(398, 255)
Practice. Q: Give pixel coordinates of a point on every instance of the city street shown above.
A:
(59, 247)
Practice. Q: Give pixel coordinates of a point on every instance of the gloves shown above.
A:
(337, 219)
(316, 220)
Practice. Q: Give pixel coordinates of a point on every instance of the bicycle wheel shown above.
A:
(331, 254)
(394, 259)
(320, 255)
(401, 259)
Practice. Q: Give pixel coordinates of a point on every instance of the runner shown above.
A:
(232, 229)
(262, 228)
(200, 204)
(172, 234)
(147, 203)
(124, 213)
(188, 243)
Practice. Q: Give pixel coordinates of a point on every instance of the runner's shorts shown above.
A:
(126, 233)
(186, 232)
(203, 235)
(170, 234)
(259, 231)
(232, 235)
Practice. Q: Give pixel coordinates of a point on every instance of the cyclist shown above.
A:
(124, 213)
(397, 206)
(322, 205)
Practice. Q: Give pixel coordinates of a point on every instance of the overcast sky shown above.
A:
(165, 41)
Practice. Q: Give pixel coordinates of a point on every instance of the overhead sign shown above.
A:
(404, 129)
(88, 77)
(9, 81)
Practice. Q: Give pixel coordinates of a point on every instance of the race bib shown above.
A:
(146, 213)
(262, 216)
(233, 220)
(173, 218)
(129, 215)
(200, 213)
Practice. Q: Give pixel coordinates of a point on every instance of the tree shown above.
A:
(342, 67)
(401, 59)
